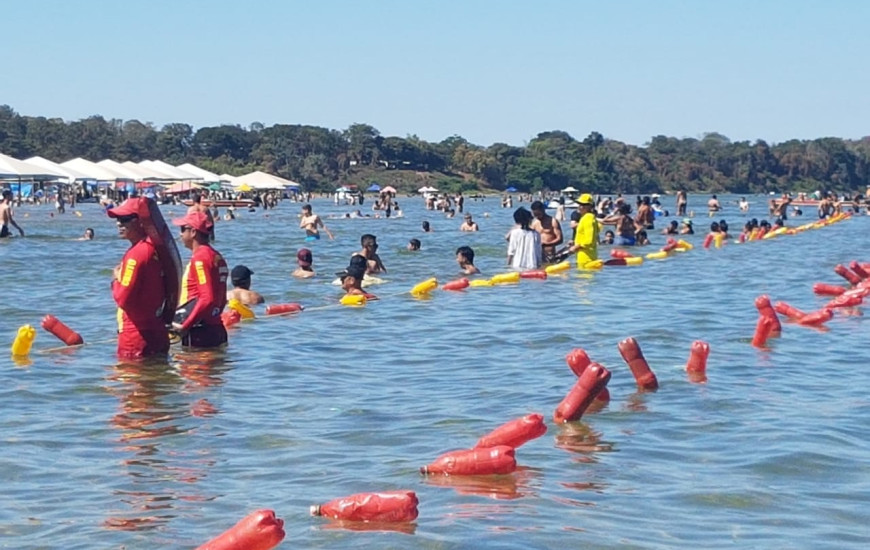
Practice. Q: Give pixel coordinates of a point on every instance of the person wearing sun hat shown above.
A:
(204, 285)
(586, 235)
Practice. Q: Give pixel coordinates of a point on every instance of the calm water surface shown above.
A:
(771, 452)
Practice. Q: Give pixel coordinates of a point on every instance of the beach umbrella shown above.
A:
(511, 189)
(427, 189)
(374, 187)
(389, 189)
(244, 188)
(214, 187)
(569, 189)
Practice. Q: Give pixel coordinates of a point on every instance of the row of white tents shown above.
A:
(156, 171)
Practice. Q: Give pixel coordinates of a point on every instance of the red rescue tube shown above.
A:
(788, 310)
(762, 303)
(671, 244)
(578, 360)
(616, 261)
(474, 462)
(163, 239)
(708, 240)
(825, 289)
(533, 274)
(859, 270)
(458, 284)
(585, 390)
(844, 272)
(845, 300)
(514, 433)
(697, 363)
(389, 506)
(66, 335)
(277, 309)
(762, 331)
(816, 318)
(230, 317)
(620, 253)
(630, 351)
(260, 530)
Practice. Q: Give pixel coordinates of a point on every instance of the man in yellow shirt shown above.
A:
(586, 236)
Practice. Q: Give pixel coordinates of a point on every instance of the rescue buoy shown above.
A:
(260, 530)
(458, 284)
(859, 270)
(824, 289)
(389, 506)
(533, 274)
(593, 265)
(708, 240)
(278, 309)
(762, 331)
(474, 462)
(23, 340)
(479, 282)
(353, 300)
(845, 300)
(660, 255)
(620, 253)
(241, 308)
(558, 268)
(816, 318)
(685, 244)
(788, 310)
(514, 433)
(633, 356)
(844, 272)
(698, 353)
(587, 387)
(762, 303)
(578, 360)
(66, 335)
(230, 317)
(505, 278)
(427, 286)
(163, 239)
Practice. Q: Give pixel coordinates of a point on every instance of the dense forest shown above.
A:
(321, 158)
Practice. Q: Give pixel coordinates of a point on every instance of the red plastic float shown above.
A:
(788, 310)
(591, 382)
(824, 289)
(514, 433)
(762, 303)
(859, 270)
(578, 360)
(533, 274)
(277, 309)
(762, 331)
(630, 351)
(845, 300)
(66, 335)
(230, 317)
(671, 244)
(620, 253)
(458, 284)
(816, 318)
(389, 506)
(844, 272)
(697, 363)
(260, 530)
(474, 462)
(708, 240)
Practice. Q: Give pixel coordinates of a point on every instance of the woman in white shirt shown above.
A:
(524, 243)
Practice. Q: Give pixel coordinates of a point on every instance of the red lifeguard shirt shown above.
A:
(140, 292)
(205, 278)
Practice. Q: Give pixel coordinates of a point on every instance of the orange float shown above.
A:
(620, 253)
(845, 300)
(260, 530)
(859, 270)
(389, 506)
(844, 272)
(533, 274)
(762, 331)
(816, 318)
(278, 309)
(230, 317)
(788, 310)
(591, 382)
(762, 303)
(708, 240)
(824, 289)
(578, 360)
(66, 335)
(458, 284)
(671, 244)
(633, 356)
(697, 363)
(514, 433)
(474, 462)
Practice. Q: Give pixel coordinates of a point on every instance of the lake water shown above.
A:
(772, 452)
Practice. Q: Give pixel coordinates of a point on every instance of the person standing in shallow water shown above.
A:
(6, 215)
(310, 222)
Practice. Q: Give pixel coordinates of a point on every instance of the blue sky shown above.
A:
(490, 71)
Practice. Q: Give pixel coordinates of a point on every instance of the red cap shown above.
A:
(129, 207)
(197, 220)
(303, 257)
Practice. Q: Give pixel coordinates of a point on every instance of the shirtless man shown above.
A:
(465, 259)
(241, 277)
(713, 205)
(6, 215)
(469, 224)
(305, 260)
(550, 230)
(370, 253)
(197, 206)
(310, 222)
(682, 201)
(645, 217)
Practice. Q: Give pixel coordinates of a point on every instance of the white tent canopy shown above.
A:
(262, 180)
(14, 168)
(227, 177)
(171, 171)
(92, 170)
(129, 172)
(145, 172)
(69, 173)
(199, 172)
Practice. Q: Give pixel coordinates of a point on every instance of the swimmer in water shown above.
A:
(305, 260)
(241, 278)
(6, 215)
(310, 222)
(465, 259)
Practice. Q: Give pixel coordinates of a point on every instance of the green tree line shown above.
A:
(320, 158)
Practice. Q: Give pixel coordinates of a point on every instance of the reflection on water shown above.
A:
(579, 437)
(404, 527)
(500, 487)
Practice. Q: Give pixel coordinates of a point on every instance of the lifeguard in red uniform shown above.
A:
(138, 288)
(204, 286)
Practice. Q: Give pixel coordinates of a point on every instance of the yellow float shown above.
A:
(634, 260)
(425, 287)
(243, 310)
(558, 268)
(356, 300)
(660, 255)
(594, 265)
(480, 282)
(505, 278)
(23, 341)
